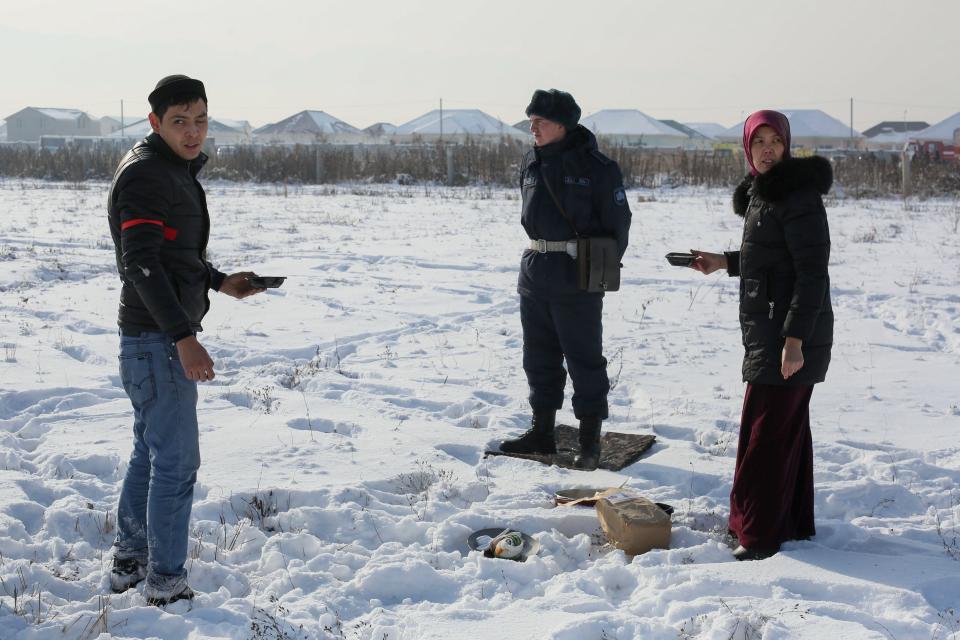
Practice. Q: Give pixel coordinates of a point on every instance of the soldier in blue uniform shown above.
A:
(560, 322)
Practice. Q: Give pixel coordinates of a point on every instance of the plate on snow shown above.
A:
(587, 497)
(480, 541)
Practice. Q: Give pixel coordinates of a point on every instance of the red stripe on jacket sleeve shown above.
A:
(133, 223)
(169, 233)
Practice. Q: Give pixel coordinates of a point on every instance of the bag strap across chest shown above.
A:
(556, 201)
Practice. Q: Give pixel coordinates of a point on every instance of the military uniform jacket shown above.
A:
(590, 187)
(160, 227)
(782, 265)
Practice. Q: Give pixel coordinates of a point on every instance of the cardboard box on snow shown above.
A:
(633, 523)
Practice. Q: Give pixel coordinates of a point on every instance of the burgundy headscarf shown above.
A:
(773, 119)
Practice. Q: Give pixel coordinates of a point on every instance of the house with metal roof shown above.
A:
(27, 125)
(133, 129)
(709, 129)
(380, 130)
(632, 127)
(697, 140)
(946, 131)
(892, 135)
(227, 132)
(811, 129)
(457, 125)
(309, 127)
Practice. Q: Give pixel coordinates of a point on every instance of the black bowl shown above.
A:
(266, 282)
(680, 259)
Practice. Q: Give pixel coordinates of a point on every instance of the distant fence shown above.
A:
(859, 175)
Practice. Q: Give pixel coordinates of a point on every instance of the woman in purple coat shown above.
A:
(787, 325)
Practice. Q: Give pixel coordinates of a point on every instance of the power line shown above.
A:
(376, 105)
(912, 106)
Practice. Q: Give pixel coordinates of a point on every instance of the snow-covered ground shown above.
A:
(343, 437)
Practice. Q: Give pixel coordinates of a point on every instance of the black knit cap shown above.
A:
(558, 106)
(175, 85)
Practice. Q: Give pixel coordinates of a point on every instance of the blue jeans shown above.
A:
(153, 516)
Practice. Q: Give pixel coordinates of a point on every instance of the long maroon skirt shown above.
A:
(772, 496)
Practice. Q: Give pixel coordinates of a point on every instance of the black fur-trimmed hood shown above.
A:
(792, 174)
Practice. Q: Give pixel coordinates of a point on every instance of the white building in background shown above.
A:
(633, 128)
(229, 133)
(456, 125)
(133, 130)
(309, 127)
(3, 130)
(220, 131)
(709, 129)
(109, 124)
(697, 141)
(946, 131)
(892, 135)
(810, 129)
(381, 131)
(27, 125)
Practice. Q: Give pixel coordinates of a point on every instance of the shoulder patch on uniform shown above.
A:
(620, 196)
(599, 156)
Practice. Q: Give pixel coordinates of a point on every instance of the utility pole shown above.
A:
(851, 123)
(906, 177)
(906, 160)
(449, 150)
(906, 137)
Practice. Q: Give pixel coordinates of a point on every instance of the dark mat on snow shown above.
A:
(617, 450)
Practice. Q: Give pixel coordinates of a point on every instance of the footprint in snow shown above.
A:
(322, 425)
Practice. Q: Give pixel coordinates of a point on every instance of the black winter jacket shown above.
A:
(590, 187)
(160, 227)
(782, 264)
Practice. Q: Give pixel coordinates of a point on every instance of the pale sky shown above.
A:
(366, 62)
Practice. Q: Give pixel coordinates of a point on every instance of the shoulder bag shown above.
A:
(598, 258)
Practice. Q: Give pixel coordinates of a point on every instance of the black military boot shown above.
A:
(589, 456)
(538, 438)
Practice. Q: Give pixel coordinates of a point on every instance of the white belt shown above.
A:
(555, 246)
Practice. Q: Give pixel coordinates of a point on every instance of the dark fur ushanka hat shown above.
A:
(554, 105)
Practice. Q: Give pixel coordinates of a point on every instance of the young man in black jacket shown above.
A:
(561, 322)
(160, 227)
